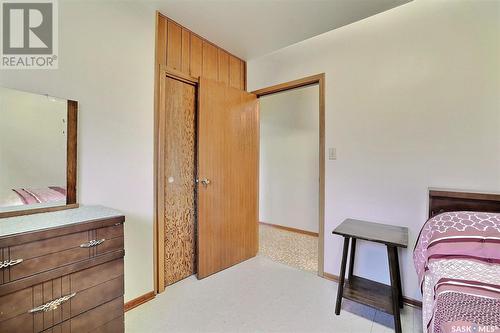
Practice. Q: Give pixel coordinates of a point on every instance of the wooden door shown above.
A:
(228, 162)
(176, 179)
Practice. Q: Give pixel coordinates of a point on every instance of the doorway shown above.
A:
(207, 177)
(291, 201)
(176, 192)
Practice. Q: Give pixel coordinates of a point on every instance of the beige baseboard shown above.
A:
(406, 300)
(299, 231)
(139, 300)
(331, 277)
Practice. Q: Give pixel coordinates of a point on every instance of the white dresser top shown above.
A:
(26, 223)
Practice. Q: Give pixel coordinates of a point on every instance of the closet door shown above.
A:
(228, 157)
(176, 179)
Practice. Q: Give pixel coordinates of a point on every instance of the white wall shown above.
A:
(412, 100)
(106, 63)
(289, 158)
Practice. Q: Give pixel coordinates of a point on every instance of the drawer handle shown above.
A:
(9, 263)
(93, 243)
(52, 305)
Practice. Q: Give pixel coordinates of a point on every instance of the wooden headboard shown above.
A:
(441, 201)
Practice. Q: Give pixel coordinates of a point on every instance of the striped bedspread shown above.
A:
(457, 258)
(30, 196)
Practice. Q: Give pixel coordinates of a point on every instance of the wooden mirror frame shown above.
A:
(71, 169)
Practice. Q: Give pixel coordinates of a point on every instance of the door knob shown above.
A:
(205, 182)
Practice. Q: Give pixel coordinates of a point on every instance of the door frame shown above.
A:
(159, 222)
(303, 82)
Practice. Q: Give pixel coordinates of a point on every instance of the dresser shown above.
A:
(62, 271)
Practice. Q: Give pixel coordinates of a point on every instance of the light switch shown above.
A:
(332, 153)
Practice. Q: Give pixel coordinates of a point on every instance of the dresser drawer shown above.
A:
(43, 255)
(107, 318)
(48, 246)
(72, 295)
(113, 237)
(114, 231)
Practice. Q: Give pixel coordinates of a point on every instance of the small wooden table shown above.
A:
(380, 296)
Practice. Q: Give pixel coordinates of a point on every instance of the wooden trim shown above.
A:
(331, 277)
(139, 301)
(306, 81)
(298, 231)
(407, 300)
(71, 152)
(165, 71)
(155, 156)
(321, 251)
(159, 204)
(15, 213)
(321, 81)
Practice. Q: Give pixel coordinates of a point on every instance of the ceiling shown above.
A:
(253, 28)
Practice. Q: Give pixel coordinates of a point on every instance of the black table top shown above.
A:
(375, 232)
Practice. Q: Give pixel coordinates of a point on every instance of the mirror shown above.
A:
(37, 153)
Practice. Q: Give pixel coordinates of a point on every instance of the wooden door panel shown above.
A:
(228, 152)
(182, 51)
(223, 67)
(174, 46)
(177, 191)
(186, 47)
(161, 41)
(235, 74)
(196, 56)
(210, 61)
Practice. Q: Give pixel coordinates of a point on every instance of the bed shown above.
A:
(457, 258)
(33, 196)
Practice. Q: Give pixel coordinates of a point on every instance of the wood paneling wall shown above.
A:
(183, 51)
(185, 56)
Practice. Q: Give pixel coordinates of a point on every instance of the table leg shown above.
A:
(351, 259)
(340, 289)
(398, 271)
(394, 287)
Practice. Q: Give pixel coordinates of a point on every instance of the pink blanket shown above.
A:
(41, 195)
(457, 259)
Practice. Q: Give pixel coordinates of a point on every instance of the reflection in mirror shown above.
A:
(33, 140)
